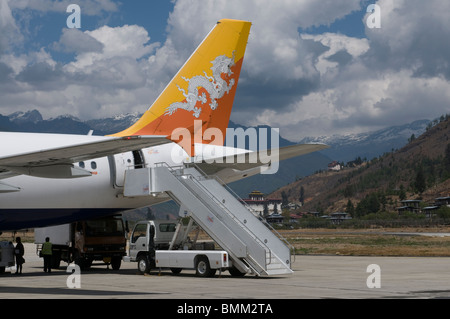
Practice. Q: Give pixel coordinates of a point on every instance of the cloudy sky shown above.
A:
(312, 68)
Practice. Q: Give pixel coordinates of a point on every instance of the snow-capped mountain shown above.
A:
(114, 124)
(25, 117)
(32, 121)
(370, 144)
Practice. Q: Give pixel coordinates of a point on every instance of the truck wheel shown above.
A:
(143, 265)
(176, 271)
(116, 262)
(78, 260)
(87, 263)
(202, 267)
(56, 260)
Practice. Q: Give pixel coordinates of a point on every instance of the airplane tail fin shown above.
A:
(201, 94)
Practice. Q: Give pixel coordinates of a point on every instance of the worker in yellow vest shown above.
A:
(47, 254)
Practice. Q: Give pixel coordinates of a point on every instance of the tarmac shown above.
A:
(315, 277)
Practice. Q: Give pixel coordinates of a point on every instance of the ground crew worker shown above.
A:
(47, 254)
(19, 251)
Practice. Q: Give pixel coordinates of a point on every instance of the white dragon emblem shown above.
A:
(214, 85)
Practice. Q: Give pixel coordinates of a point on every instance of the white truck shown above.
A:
(165, 244)
(6, 255)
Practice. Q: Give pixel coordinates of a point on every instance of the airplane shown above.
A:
(51, 179)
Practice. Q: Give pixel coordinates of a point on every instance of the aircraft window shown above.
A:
(93, 165)
(81, 164)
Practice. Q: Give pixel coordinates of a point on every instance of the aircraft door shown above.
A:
(139, 161)
(121, 162)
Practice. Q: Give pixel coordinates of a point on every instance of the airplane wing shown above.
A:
(62, 156)
(233, 168)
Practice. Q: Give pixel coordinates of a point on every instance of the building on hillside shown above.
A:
(293, 206)
(337, 218)
(410, 205)
(258, 203)
(314, 214)
(334, 166)
(439, 202)
(430, 211)
(442, 201)
(275, 219)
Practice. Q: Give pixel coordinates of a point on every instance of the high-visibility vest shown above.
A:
(47, 248)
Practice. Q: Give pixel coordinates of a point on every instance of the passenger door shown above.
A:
(121, 162)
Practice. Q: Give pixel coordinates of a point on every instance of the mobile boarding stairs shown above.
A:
(252, 246)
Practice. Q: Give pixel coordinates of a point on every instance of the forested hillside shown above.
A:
(419, 170)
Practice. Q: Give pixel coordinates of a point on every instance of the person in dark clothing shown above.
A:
(19, 251)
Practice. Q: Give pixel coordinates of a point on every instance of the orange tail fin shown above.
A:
(204, 88)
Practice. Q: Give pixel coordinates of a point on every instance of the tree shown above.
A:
(284, 200)
(383, 201)
(349, 191)
(302, 195)
(350, 208)
(265, 210)
(402, 193)
(373, 205)
(447, 158)
(286, 215)
(370, 204)
(444, 212)
(420, 183)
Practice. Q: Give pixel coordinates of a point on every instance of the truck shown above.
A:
(6, 255)
(84, 242)
(165, 244)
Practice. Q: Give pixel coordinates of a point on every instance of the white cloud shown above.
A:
(305, 84)
(413, 35)
(109, 75)
(9, 32)
(74, 40)
(399, 74)
(124, 42)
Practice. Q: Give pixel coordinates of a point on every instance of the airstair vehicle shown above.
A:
(252, 246)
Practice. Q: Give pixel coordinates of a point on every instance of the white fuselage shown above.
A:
(103, 189)
(58, 200)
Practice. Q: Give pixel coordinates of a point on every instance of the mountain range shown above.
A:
(418, 170)
(343, 148)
